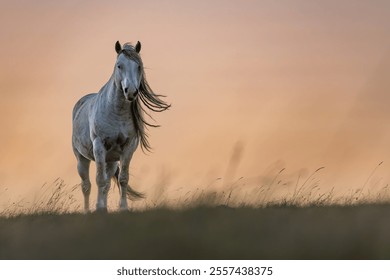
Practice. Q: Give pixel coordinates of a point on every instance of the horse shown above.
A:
(108, 126)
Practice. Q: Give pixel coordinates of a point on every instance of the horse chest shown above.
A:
(115, 134)
(114, 146)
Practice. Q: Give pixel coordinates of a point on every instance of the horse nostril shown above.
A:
(126, 89)
(136, 92)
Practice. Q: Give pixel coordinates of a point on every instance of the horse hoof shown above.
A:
(124, 210)
(102, 210)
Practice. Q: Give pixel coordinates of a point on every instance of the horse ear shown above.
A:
(118, 47)
(138, 47)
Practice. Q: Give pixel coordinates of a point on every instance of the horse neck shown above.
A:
(113, 99)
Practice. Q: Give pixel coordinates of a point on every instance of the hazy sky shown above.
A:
(294, 84)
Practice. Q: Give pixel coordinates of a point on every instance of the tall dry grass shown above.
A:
(56, 197)
(60, 198)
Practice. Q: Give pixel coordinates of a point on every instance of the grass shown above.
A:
(274, 190)
(55, 198)
(274, 220)
(331, 232)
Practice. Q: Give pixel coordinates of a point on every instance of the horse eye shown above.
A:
(139, 68)
(119, 67)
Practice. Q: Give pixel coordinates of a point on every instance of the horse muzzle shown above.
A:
(132, 96)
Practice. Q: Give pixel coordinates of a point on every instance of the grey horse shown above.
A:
(109, 125)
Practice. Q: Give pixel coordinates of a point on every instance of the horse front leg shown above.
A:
(124, 173)
(102, 180)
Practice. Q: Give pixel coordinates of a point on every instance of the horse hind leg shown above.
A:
(123, 192)
(123, 199)
(83, 170)
(111, 169)
(116, 176)
(126, 191)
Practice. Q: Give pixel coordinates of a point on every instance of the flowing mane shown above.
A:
(149, 99)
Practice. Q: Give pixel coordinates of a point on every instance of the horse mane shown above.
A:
(146, 98)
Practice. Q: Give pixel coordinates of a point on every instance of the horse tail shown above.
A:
(130, 192)
(133, 194)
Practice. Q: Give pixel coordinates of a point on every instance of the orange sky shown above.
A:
(297, 84)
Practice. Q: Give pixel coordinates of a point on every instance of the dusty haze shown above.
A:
(255, 86)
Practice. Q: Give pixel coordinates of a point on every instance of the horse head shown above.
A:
(128, 70)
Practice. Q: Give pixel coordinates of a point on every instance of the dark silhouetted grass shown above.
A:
(278, 232)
